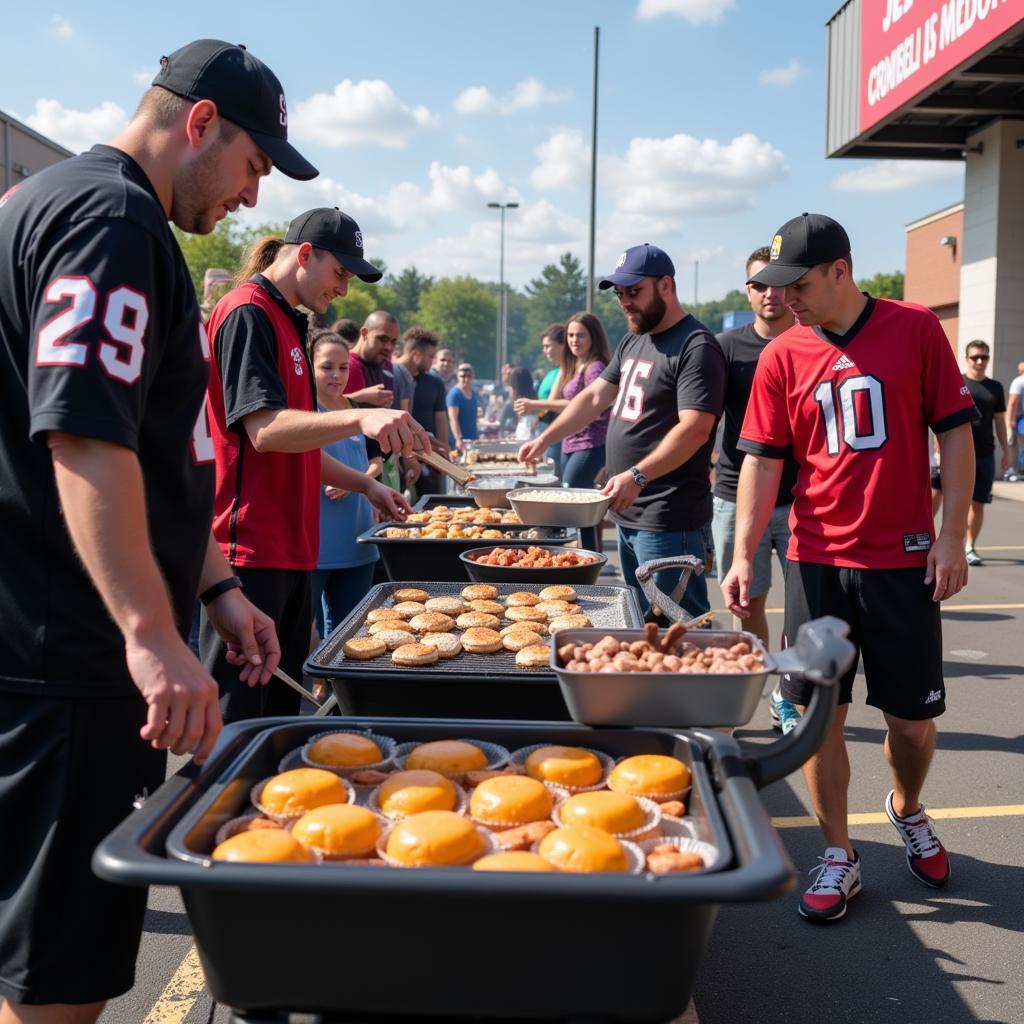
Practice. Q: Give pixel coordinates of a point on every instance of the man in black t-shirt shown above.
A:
(419, 346)
(106, 486)
(990, 399)
(665, 385)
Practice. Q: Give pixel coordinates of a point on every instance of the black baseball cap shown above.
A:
(636, 263)
(330, 229)
(799, 245)
(246, 92)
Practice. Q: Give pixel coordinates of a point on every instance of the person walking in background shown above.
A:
(1015, 426)
(521, 390)
(344, 570)
(552, 344)
(742, 347)
(463, 408)
(989, 397)
(665, 386)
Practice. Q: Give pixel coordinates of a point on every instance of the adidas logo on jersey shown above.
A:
(933, 697)
(843, 364)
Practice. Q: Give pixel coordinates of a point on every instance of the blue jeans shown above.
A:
(637, 546)
(335, 592)
(580, 469)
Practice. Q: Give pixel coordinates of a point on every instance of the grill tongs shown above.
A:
(664, 604)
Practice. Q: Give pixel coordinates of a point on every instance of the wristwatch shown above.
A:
(639, 479)
(212, 593)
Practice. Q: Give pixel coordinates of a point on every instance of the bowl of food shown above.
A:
(559, 506)
(540, 480)
(532, 565)
(492, 491)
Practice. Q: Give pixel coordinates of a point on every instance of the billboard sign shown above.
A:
(907, 45)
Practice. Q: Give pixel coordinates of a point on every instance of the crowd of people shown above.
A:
(152, 456)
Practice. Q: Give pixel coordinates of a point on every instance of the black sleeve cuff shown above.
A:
(968, 415)
(766, 451)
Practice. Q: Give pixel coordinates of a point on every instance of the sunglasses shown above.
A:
(978, 359)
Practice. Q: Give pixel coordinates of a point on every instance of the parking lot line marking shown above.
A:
(181, 993)
(880, 818)
(945, 608)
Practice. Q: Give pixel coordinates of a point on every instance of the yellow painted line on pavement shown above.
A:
(181, 993)
(880, 818)
(945, 608)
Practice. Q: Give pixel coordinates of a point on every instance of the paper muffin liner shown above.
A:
(373, 803)
(518, 759)
(661, 798)
(709, 852)
(284, 819)
(501, 826)
(678, 828)
(293, 759)
(637, 859)
(225, 831)
(385, 743)
(497, 755)
(329, 858)
(490, 846)
(652, 816)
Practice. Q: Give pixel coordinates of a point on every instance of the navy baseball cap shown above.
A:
(799, 245)
(245, 91)
(328, 228)
(636, 263)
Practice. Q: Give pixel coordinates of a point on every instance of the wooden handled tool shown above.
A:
(459, 474)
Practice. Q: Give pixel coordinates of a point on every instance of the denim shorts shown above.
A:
(776, 536)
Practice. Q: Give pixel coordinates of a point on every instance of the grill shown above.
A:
(484, 685)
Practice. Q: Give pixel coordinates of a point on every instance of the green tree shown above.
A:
(559, 291)
(462, 312)
(606, 308)
(404, 294)
(710, 313)
(883, 286)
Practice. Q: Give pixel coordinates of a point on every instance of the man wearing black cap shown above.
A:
(851, 392)
(666, 386)
(267, 437)
(106, 486)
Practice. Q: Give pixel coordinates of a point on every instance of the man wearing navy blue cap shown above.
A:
(106, 477)
(665, 385)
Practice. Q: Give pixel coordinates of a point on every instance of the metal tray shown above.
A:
(438, 559)
(481, 685)
(559, 513)
(431, 501)
(693, 698)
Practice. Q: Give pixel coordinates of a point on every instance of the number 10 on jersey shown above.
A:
(861, 433)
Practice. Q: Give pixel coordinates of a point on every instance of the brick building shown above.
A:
(934, 254)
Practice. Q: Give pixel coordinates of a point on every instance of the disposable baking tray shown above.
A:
(560, 513)
(470, 685)
(438, 559)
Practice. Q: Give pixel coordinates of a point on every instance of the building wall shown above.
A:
(933, 269)
(24, 151)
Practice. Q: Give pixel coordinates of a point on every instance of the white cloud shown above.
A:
(783, 76)
(144, 76)
(563, 161)
(367, 111)
(663, 179)
(61, 27)
(697, 12)
(897, 175)
(526, 95)
(77, 129)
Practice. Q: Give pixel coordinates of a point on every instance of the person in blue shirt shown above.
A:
(463, 407)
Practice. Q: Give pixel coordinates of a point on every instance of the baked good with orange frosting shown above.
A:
(344, 750)
(450, 757)
(411, 792)
(339, 831)
(657, 776)
(520, 860)
(292, 793)
(435, 839)
(583, 849)
(614, 812)
(565, 766)
(264, 846)
(510, 800)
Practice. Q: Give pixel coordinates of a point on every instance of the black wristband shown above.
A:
(212, 593)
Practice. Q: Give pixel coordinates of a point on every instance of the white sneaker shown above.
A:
(836, 881)
(973, 558)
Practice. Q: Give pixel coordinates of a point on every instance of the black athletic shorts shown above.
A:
(894, 623)
(69, 772)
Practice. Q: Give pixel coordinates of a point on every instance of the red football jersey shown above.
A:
(855, 412)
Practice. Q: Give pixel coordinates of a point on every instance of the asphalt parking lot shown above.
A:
(904, 953)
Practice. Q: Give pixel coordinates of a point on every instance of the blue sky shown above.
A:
(711, 132)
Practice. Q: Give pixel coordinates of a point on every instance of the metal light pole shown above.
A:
(593, 179)
(501, 334)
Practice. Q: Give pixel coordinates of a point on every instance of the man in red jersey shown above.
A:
(851, 392)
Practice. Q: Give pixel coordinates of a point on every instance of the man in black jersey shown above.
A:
(106, 487)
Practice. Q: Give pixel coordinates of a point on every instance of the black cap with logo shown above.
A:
(799, 245)
(245, 91)
(339, 234)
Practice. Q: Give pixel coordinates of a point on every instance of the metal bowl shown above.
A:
(540, 480)
(483, 573)
(491, 492)
(589, 512)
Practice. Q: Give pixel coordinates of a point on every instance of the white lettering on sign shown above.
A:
(894, 10)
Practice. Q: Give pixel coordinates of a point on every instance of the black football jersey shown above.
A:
(100, 337)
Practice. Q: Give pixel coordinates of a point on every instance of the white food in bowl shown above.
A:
(567, 496)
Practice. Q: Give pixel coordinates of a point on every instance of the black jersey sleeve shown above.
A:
(700, 383)
(246, 348)
(104, 287)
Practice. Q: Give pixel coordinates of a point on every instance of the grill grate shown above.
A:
(606, 607)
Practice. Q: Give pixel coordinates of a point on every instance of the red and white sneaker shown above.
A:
(836, 881)
(926, 856)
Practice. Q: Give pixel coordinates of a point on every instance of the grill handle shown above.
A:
(663, 603)
(821, 655)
